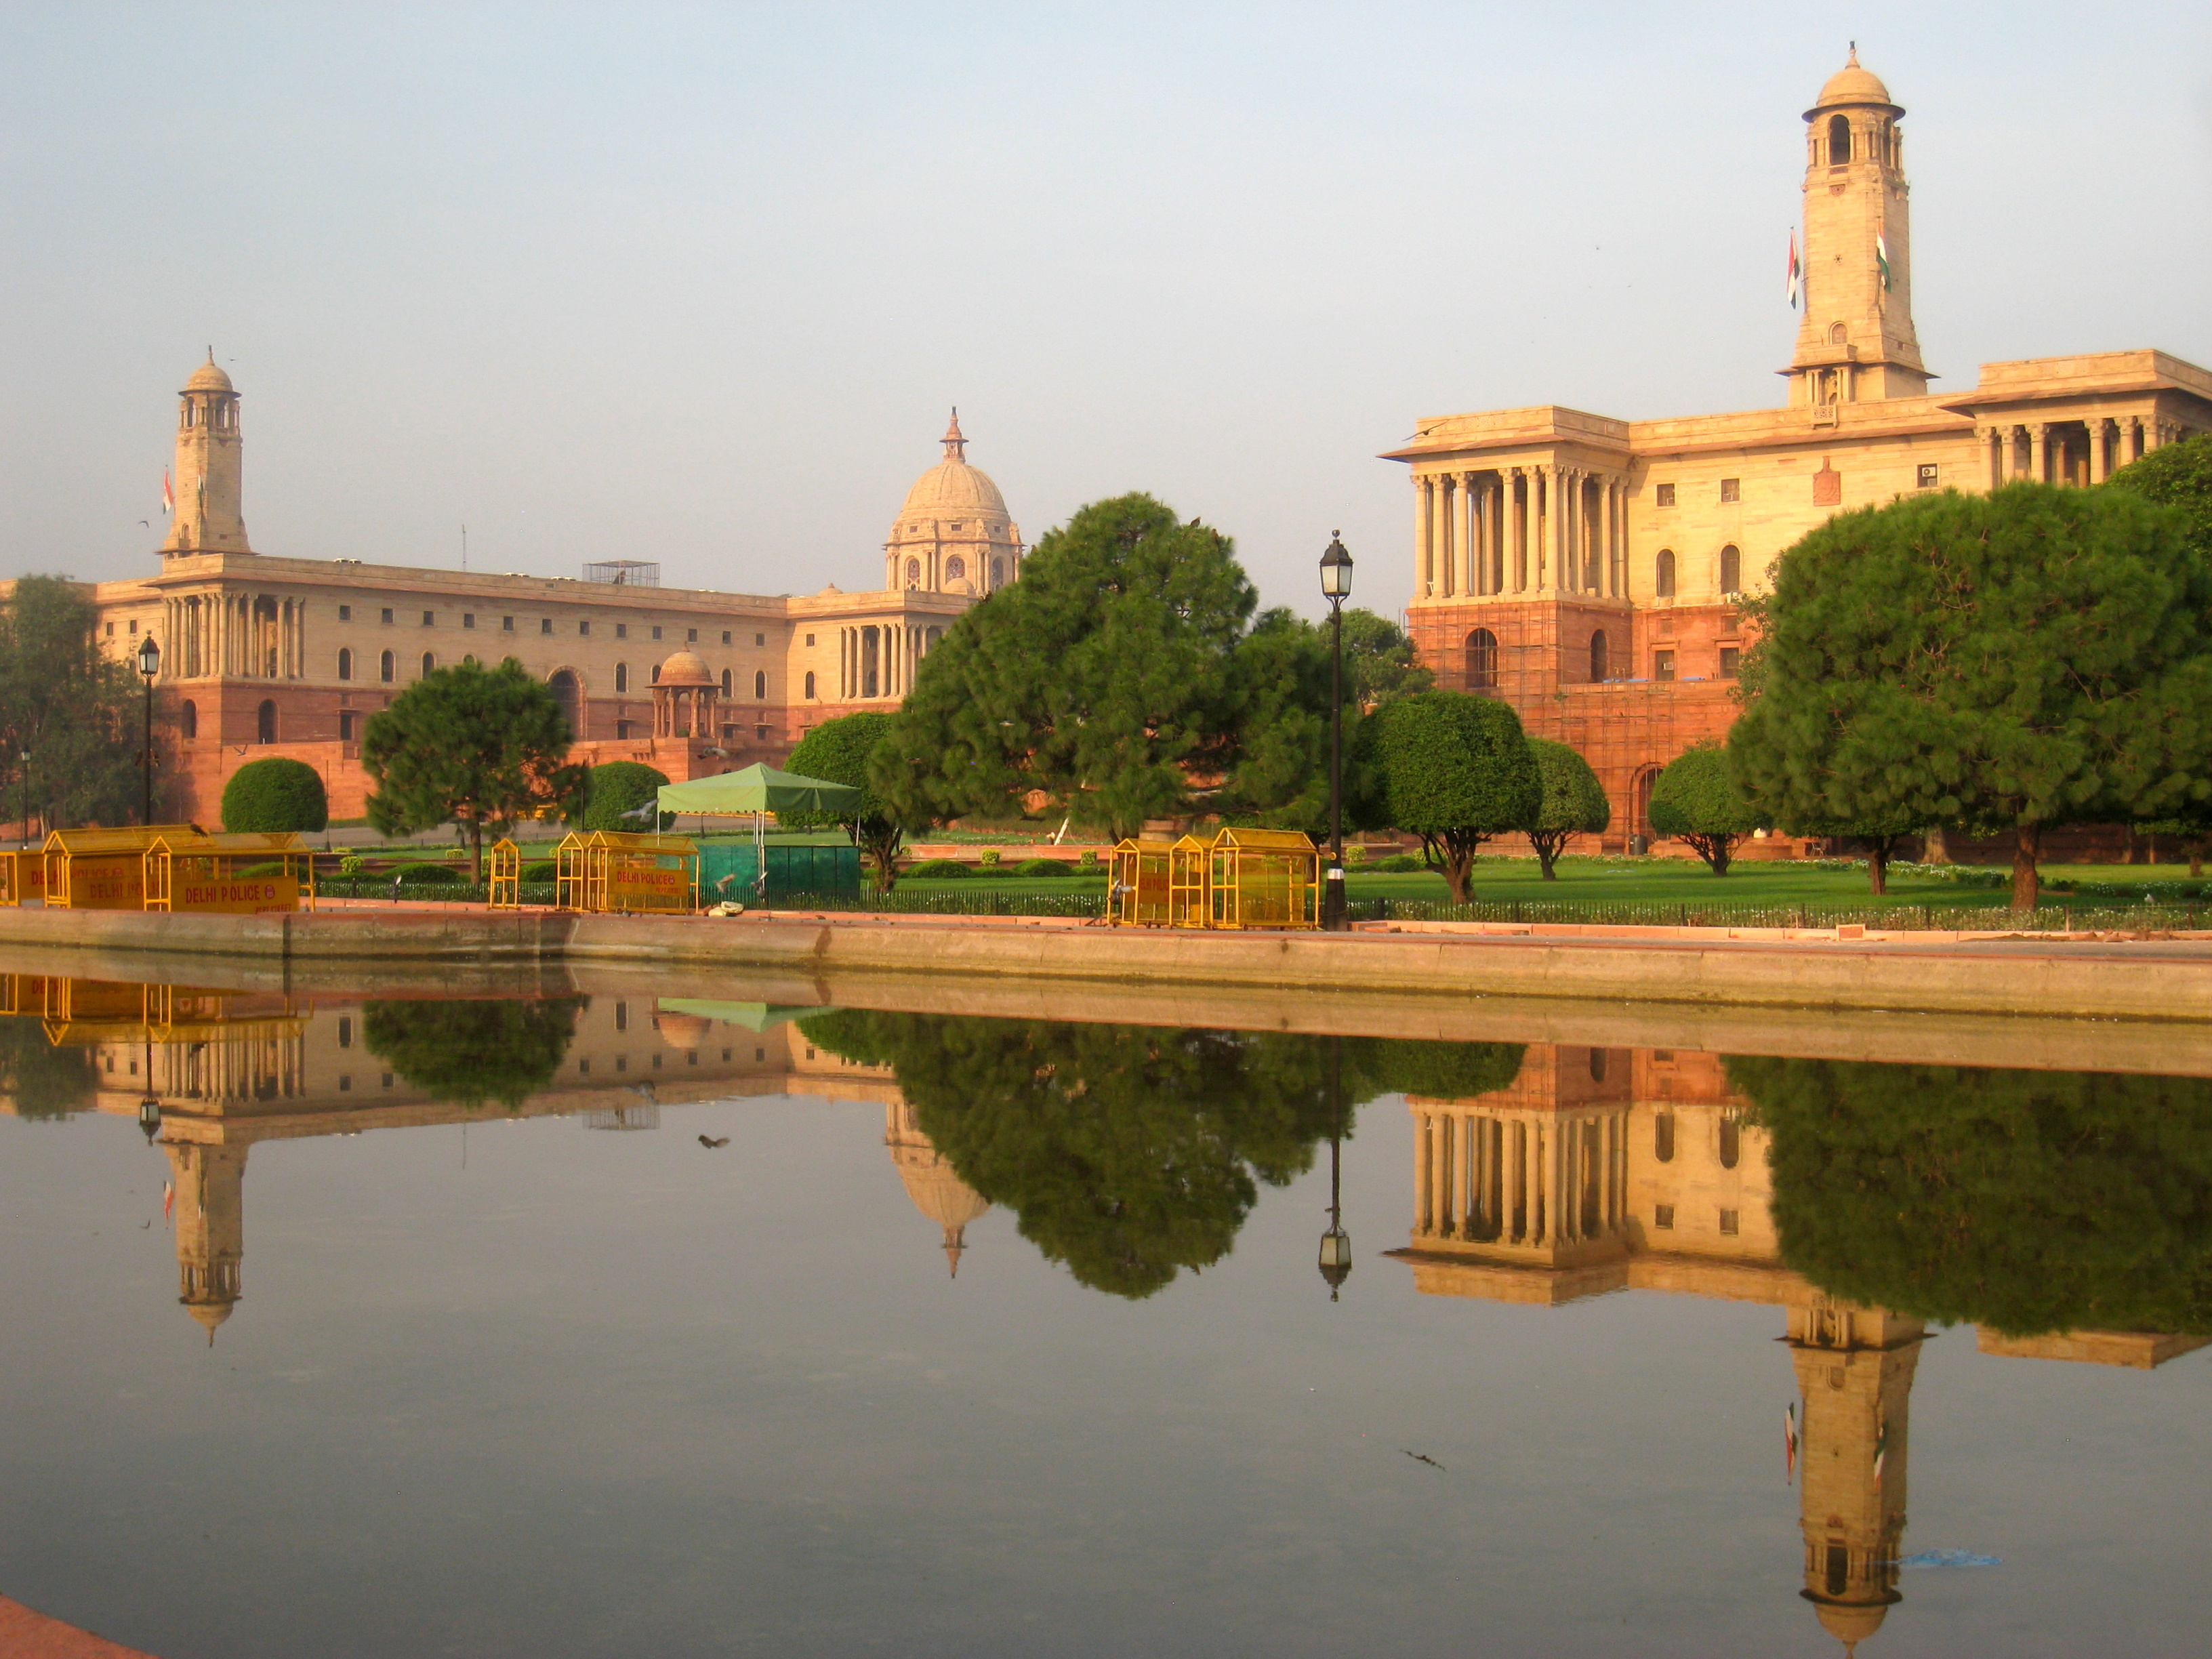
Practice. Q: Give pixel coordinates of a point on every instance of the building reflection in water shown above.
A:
(227, 1071)
(1600, 1169)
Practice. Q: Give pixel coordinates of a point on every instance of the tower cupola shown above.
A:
(208, 517)
(1857, 341)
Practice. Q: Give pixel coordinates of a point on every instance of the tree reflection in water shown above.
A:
(1130, 1153)
(472, 1052)
(43, 1079)
(2029, 1202)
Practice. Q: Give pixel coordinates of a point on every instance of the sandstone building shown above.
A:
(1585, 568)
(266, 654)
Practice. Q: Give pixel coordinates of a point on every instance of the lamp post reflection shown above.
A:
(1336, 1243)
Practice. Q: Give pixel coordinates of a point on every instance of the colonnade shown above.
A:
(2045, 450)
(241, 636)
(1521, 530)
(878, 659)
(1528, 1177)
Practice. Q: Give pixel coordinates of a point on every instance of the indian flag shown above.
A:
(1790, 1442)
(1793, 283)
(1882, 255)
(168, 495)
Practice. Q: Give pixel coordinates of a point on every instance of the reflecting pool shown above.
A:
(603, 1319)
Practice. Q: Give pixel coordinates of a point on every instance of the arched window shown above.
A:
(956, 568)
(1597, 1065)
(1731, 569)
(1600, 667)
(1838, 334)
(998, 573)
(1664, 587)
(1731, 1142)
(1481, 660)
(1662, 1136)
(1839, 140)
(622, 678)
(929, 639)
(387, 667)
(188, 719)
(568, 694)
(810, 684)
(429, 663)
(760, 684)
(264, 721)
(345, 664)
(656, 673)
(725, 682)
(913, 572)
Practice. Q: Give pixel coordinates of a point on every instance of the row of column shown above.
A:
(879, 660)
(242, 637)
(1519, 1177)
(2042, 450)
(1541, 529)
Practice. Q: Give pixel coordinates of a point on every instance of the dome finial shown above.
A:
(956, 446)
(1854, 62)
(956, 1241)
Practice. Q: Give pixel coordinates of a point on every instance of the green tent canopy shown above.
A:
(759, 788)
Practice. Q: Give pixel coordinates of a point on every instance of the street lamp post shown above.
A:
(149, 664)
(1336, 587)
(1336, 1243)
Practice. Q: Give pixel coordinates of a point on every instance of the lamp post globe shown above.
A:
(1336, 587)
(149, 665)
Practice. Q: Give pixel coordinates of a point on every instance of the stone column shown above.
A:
(2099, 471)
(1423, 1173)
(1448, 521)
(2039, 453)
(1424, 554)
(1543, 528)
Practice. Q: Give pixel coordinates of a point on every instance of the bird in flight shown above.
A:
(712, 1141)
(1422, 1457)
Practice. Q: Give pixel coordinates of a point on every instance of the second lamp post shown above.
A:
(149, 664)
(1336, 587)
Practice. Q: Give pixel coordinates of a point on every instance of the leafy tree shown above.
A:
(44, 1080)
(617, 794)
(1379, 666)
(1573, 802)
(1455, 770)
(1118, 678)
(2028, 1201)
(470, 745)
(471, 1052)
(2178, 476)
(2004, 662)
(1695, 799)
(841, 751)
(1444, 1071)
(274, 795)
(79, 713)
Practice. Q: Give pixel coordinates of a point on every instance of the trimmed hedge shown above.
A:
(938, 869)
(431, 875)
(540, 870)
(274, 795)
(1044, 867)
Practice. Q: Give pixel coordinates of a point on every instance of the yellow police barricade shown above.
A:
(1139, 895)
(103, 869)
(23, 877)
(249, 873)
(1187, 875)
(606, 870)
(1263, 878)
(505, 875)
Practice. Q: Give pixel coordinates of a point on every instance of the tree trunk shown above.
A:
(2026, 884)
(1878, 866)
(475, 851)
(1456, 862)
(2196, 860)
(1933, 850)
(1547, 852)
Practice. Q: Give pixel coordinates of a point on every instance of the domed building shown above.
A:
(953, 535)
(933, 1184)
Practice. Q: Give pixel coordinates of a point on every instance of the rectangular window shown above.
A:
(1730, 656)
(583, 630)
(387, 1080)
(387, 616)
(810, 639)
(468, 619)
(345, 613)
(1930, 472)
(506, 624)
(622, 730)
(725, 636)
(690, 636)
(762, 639)
(545, 625)
(622, 630)
(345, 726)
(345, 1084)
(1662, 1216)
(1731, 490)
(1663, 665)
(1664, 494)
(430, 619)
(761, 732)
(110, 630)
(1728, 1224)
(656, 633)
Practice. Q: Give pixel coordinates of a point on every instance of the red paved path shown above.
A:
(27, 1635)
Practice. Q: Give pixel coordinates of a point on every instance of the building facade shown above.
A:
(266, 654)
(1587, 569)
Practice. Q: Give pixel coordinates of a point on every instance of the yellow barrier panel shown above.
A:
(505, 875)
(1263, 878)
(103, 869)
(23, 877)
(606, 870)
(1187, 883)
(1138, 895)
(243, 874)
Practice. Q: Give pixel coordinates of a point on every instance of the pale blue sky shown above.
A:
(697, 284)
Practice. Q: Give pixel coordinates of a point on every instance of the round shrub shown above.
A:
(1088, 863)
(1044, 867)
(541, 870)
(620, 788)
(274, 795)
(937, 869)
(1398, 864)
(430, 875)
